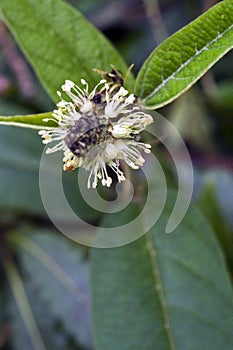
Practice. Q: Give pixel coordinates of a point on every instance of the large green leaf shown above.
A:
(32, 121)
(175, 65)
(165, 292)
(59, 42)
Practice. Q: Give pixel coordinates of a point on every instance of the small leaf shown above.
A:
(32, 121)
(166, 292)
(175, 65)
(59, 42)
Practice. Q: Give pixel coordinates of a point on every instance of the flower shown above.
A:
(98, 129)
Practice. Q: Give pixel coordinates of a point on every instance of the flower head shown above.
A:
(98, 129)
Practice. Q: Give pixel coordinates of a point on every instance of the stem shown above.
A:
(155, 19)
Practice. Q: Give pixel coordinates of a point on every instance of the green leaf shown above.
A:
(20, 156)
(33, 121)
(53, 337)
(24, 308)
(20, 152)
(32, 325)
(59, 42)
(210, 205)
(62, 276)
(175, 65)
(166, 292)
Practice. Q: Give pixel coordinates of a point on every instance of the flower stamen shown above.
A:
(98, 129)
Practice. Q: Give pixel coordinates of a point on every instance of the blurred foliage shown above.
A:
(178, 279)
(56, 305)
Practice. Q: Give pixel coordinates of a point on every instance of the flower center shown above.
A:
(88, 132)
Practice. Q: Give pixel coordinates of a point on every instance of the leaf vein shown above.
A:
(159, 289)
(183, 65)
(200, 317)
(195, 273)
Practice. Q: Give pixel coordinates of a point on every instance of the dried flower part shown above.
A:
(98, 129)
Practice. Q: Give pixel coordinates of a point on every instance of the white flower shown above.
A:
(98, 129)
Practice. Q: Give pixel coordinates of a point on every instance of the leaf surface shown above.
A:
(163, 291)
(59, 42)
(175, 65)
(32, 121)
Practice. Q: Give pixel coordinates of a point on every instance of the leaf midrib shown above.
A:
(67, 50)
(200, 318)
(152, 251)
(184, 65)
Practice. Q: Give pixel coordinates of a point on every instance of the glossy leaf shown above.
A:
(164, 291)
(175, 65)
(59, 42)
